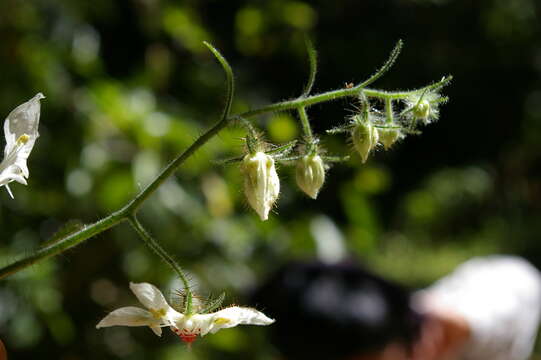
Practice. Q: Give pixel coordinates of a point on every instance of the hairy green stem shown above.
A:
(337, 94)
(312, 60)
(389, 111)
(131, 208)
(62, 245)
(156, 247)
(303, 116)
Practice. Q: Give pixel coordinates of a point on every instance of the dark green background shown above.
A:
(129, 85)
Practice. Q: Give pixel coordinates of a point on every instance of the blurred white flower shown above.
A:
(187, 327)
(21, 132)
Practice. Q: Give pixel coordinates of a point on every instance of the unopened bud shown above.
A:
(261, 183)
(421, 110)
(310, 174)
(388, 137)
(365, 138)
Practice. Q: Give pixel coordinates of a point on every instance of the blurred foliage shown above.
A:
(129, 85)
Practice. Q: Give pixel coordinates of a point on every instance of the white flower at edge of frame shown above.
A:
(21, 132)
(187, 327)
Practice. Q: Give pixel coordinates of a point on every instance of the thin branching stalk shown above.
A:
(300, 104)
(164, 255)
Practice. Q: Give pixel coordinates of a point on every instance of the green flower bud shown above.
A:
(261, 183)
(365, 138)
(388, 137)
(310, 174)
(422, 110)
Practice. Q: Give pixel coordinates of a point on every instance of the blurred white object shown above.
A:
(330, 244)
(500, 299)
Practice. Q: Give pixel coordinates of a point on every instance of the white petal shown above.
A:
(230, 317)
(11, 173)
(24, 119)
(150, 296)
(157, 330)
(129, 316)
(9, 192)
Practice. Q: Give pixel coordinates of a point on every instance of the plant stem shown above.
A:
(389, 111)
(305, 125)
(130, 209)
(337, 94)
(157, 248)
(60, 246)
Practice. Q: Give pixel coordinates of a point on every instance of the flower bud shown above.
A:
(388, 137)
(310, 174)
(365, 137)
(261, 183)
(422, 110)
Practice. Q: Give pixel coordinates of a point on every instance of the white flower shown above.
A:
(261, 183)
(21, 132)
(158, 315)
(187, 327)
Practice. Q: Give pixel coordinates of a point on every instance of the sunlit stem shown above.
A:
(303, 116)
(252, 138)
(389, 111)
(168, 259)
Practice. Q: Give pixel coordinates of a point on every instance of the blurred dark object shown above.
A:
(335, 311)
(3, 353)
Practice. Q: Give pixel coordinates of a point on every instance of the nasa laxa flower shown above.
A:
(261, 182)
(364, 136)
(424, 106)
(159, 313)
(21, 132)
(310, 174)
(390, 132)
(388, 136)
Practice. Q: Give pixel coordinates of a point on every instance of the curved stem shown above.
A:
(312, 59)
(230, 79)
(388, 64)
(157, 248)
